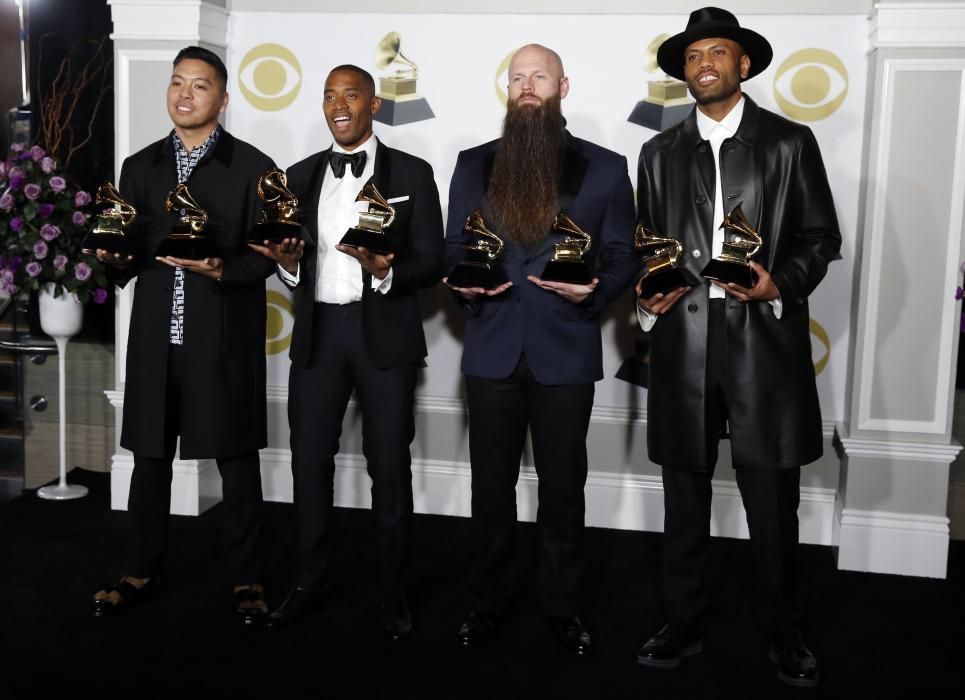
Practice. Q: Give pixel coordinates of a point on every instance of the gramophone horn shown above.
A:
(650, 64)
(389, 49)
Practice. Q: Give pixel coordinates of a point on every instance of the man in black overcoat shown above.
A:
(726, 357)
(196, 345)
(357, 328)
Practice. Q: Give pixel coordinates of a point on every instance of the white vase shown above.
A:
(61, 318)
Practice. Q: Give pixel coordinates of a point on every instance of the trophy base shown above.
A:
(275, 232)
(373, 241)
(569, 272)
(658, 117)
(404, 111)
(735, 273)
(663, 282)
(467, 275)
(187, 246)
(111, 242)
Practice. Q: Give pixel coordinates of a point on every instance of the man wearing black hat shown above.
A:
(731, 358)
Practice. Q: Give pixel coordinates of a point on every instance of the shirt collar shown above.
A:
(369, 147)
(204, 145)
(730, 123)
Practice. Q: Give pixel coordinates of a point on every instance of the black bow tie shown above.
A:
(338, 161)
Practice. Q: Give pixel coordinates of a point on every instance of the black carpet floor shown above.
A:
(875, 635)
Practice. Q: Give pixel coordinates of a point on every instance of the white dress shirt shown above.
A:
(338, 277)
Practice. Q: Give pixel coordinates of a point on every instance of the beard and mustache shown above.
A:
(522, 198)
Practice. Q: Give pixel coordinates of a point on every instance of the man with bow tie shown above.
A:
(357, 327)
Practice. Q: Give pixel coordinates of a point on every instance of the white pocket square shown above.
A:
(393, 200)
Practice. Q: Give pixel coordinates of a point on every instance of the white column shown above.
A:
(895, 443)
(147, 36)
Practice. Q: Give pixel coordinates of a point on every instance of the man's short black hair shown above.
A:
(209, 57)
(361, 72)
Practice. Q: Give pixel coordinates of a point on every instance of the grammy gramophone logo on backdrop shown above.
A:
(811, 84)
(279, 321)
(502, 78)
(401, 103)
(667, 102)
(270, 77)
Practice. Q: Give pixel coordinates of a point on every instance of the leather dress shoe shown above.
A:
(665, 649)
(396, 620)
(299, 602)
(571, 634)
(250, 605)
(796, 664)
(477, 628)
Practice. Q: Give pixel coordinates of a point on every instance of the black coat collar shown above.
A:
(224, 149)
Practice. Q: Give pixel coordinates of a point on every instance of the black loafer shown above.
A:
(130, 595)
(396, 620)
(665, 649)
(247, 610)
(571, 634)
(298, 603)
(478, 628)
(796, 664)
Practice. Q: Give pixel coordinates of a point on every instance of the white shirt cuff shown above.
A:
(287, 277)
(645, 319)
(777, 306)
(382, 286)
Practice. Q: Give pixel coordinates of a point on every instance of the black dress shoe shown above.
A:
(796, 664)
(129, 595)
(396, 620)
(250, 605)
(477, 628)
(571, 634)
(298, 603)
(665, 649)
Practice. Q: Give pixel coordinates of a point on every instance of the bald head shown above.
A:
(536, 73)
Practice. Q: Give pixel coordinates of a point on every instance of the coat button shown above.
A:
(701, 199)
(696, 252)
(692, 308)
(703, 148)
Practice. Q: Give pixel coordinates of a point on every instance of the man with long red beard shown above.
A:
(532, 346)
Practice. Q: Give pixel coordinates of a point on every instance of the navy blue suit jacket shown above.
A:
(561, 339)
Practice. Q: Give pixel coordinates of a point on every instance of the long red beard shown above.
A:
(522, 197)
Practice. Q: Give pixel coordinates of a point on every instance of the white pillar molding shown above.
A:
(147, 36)
(895, 443)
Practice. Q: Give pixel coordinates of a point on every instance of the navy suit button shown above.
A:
(700, 200)
(692, 308)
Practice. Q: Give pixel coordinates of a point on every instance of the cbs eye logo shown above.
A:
(278, 323)
(824, 344)
(502, 78)
(270, 77)
(811, 84)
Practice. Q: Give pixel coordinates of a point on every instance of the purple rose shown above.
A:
(58, 184)
(37, 153)
(99, 295)
(9, 289)
(40, 250)
(16, 179)
(16, 224)
(6, 275)
(60, 262)
(82, 271)
(32, 191)
(79, 218)
(33, 269)
(6, 201)
(16, 147)
(48, 165)
(49, 232)
(45, 209)
(81, 199)
(14, 262)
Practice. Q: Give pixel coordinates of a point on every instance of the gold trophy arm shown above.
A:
(737, 221)
(491, 242)
(652, 245)
(122, 209)
(565, 224)
(370, 193)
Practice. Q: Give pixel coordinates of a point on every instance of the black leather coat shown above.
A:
(774, 167)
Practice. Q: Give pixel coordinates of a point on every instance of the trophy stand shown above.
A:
(666, 104)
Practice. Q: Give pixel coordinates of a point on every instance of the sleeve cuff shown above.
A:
(646, 319)
(382, 286)
(287, 277)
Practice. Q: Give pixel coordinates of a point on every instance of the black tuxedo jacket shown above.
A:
(391, 322)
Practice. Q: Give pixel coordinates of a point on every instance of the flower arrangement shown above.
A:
(43, 220)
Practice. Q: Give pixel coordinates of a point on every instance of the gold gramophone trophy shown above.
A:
(667, 102)
(480, 266)
(278, 219)
(733, 263)
(370, 233)
(108, 231)
(659, 256)
(401, 103)
(567, 263)
(187, 239)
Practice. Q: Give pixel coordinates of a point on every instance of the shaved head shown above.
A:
(549, 58)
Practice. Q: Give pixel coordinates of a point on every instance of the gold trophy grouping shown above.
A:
(188, 239)
(660, 256)
(401, 104)
(666, 102)
(567, 263)
(278, 219)
(370, 232)
(108, 230)
(733, 263)
(480, 267)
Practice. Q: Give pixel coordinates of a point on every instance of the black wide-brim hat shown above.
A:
(706, 23)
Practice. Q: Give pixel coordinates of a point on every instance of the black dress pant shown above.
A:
(317, 399)
(149, 499)
(770, 497)
(558, 417)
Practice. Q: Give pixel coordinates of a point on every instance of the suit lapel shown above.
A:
(315, 188)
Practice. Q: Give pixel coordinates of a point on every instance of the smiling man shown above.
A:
(727, 359)
(532, 348)
(357, 327)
